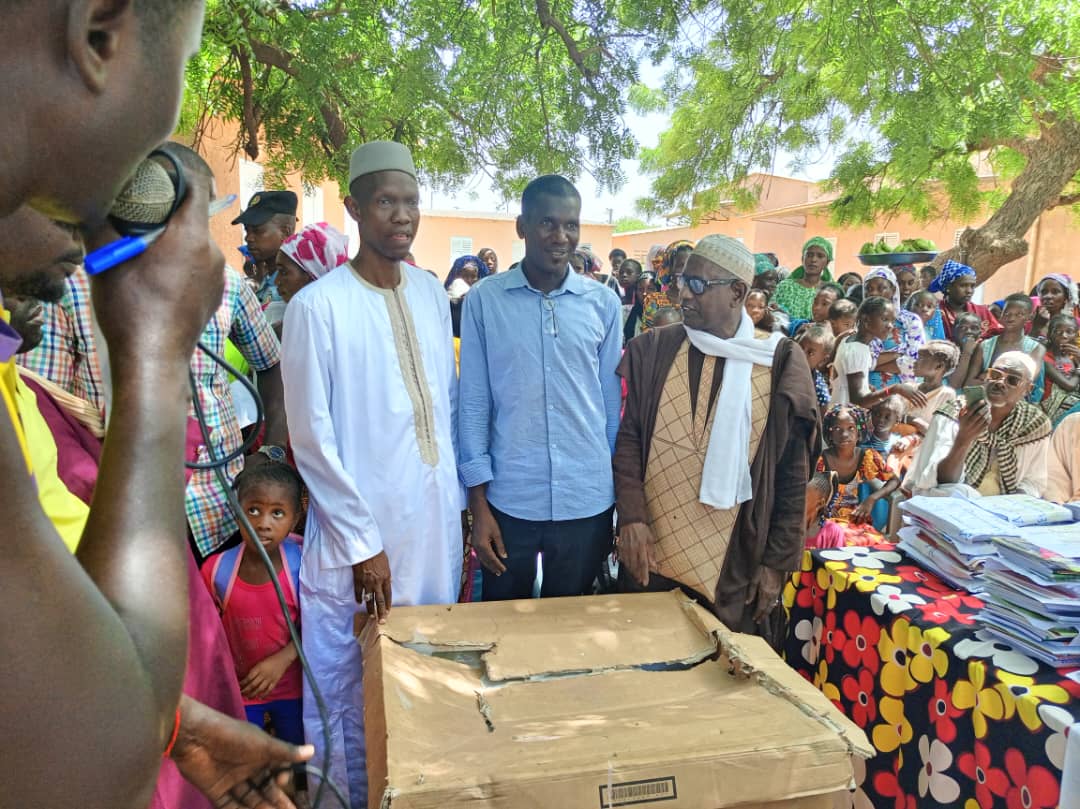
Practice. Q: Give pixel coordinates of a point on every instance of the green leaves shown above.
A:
(911, 93)
(513, 89)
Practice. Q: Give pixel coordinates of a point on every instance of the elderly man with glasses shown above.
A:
(715, 449)
(990, 440)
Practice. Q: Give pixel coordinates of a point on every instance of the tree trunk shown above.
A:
(1052, 162)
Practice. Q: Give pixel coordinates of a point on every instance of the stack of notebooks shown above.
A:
(1019, 553)
(952, 537)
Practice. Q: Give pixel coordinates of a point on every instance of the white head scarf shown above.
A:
(317, 249)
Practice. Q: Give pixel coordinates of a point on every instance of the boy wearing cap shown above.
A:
(714, 450)
(268, 220)
(370, 390)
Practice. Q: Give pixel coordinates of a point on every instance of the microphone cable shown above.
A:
(217, 465)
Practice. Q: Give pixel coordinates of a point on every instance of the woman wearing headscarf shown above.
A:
(655, 260)
(898, 352)
(307, 256)
(795, 294)
(956, 282)
(1057, 293)
(671, 266)
(464, 272)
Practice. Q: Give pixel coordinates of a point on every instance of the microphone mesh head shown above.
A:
(147, 198)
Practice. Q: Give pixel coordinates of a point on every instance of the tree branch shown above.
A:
(1067, 199)
(250, 116)
(549, 20)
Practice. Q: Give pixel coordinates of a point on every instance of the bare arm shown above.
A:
(100, 661)
(272, 393)
(972, 367)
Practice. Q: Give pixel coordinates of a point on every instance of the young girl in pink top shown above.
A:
(262, 650)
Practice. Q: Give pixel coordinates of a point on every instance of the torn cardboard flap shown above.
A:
(592, 702)
(544, 637)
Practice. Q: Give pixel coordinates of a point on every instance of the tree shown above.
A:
(512, 89)
(928, 87)
(625, 224)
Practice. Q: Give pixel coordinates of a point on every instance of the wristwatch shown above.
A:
(273, 452)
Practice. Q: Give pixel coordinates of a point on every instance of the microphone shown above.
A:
(141, 210)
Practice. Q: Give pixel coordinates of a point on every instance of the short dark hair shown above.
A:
(874, 305)
(1021, 298)
(270, 473)
(618, 251)
(547, 185)
(842, 308)
(916, 296)
(1060, 319)
(817, 332)
(631, 263)
(831, 287)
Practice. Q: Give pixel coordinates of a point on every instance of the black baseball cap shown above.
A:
(266, 204)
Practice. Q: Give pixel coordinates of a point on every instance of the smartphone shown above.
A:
(973, 394)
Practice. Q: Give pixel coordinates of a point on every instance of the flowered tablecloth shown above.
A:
(959, 719)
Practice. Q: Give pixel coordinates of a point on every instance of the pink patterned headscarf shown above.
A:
(317, 249)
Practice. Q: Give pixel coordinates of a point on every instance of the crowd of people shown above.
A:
(700, 417)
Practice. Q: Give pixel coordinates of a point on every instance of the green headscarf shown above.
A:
(762, 263)
(824, 244)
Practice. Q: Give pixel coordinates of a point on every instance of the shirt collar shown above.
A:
(572, 283)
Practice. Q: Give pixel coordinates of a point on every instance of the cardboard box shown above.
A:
(588, 703)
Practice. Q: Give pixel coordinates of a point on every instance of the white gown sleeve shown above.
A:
(940, 437)
(1031, 467)
(348, 533)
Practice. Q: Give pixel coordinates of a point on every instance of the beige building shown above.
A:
(791, 211)
(442, 237)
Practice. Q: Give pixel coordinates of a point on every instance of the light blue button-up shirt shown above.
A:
(539, 398)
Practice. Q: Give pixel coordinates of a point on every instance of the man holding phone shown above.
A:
(992, 442)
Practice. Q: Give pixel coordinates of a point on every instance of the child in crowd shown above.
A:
(667, 316)
(841, 317)
(925, 305)
(826, 296)
(936, 360)
(884, 417)
(966, 332)
(1062, 388)
(1014, 318)
(817, 341)
(262, 649)
(819, 532)
(757, 306)
(845, 427)
(849, 280)
(927, 274)
(854, 359)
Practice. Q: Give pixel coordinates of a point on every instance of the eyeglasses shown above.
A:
(699, 285)
(1012, 380)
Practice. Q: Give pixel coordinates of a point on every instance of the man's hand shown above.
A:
(974, 421)
(486, 536)
(264, 676)
(636, 548)
(371, 579)
(158, 304)
(764, 592)
(233, 763)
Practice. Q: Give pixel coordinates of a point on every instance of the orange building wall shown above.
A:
(432, 247)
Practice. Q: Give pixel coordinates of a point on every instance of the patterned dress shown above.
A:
(841, 508)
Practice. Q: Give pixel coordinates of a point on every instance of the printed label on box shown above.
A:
(635, 792)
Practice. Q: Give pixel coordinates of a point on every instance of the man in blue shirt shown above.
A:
(539, 407)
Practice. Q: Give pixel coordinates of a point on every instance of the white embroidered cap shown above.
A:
(728, 254)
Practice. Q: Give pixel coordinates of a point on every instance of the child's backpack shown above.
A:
(227, 566)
